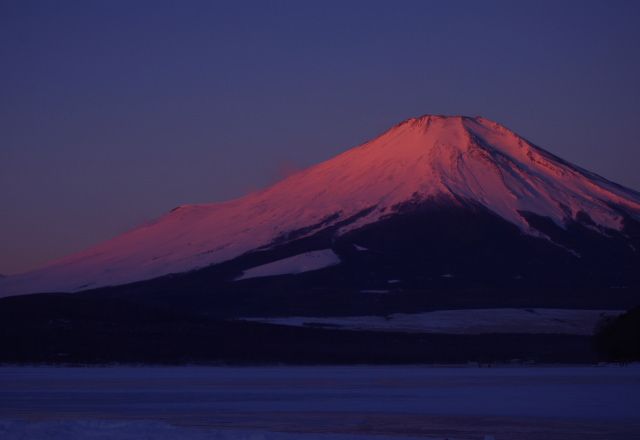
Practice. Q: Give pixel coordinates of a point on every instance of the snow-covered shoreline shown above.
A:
(463, 321)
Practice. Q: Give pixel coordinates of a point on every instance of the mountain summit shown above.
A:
(438, 162)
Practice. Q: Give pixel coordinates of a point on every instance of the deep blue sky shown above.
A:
(112, 112)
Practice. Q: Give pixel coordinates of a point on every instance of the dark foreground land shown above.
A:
(84, 329)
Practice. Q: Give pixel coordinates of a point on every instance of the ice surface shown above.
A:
(151, 430)
(467, 321)
(300, 263)
(314, 403)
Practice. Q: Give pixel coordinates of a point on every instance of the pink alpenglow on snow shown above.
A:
(456, 158)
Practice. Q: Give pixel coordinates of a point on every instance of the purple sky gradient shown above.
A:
(112, 113)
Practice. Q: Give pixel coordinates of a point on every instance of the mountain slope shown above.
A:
(433, 162)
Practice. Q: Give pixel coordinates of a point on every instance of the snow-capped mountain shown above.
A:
(443, 163)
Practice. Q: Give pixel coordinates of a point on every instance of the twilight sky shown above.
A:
(113, 112)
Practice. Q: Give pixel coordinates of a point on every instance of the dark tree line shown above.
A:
(618, 339)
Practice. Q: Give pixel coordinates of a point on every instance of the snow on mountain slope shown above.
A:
(454, 158)
(300, 263)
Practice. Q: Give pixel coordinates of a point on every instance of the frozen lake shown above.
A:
(332, 403)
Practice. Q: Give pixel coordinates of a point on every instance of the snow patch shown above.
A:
(471, 321)
(300, 263)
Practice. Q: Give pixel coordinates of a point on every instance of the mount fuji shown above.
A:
(434, 198)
